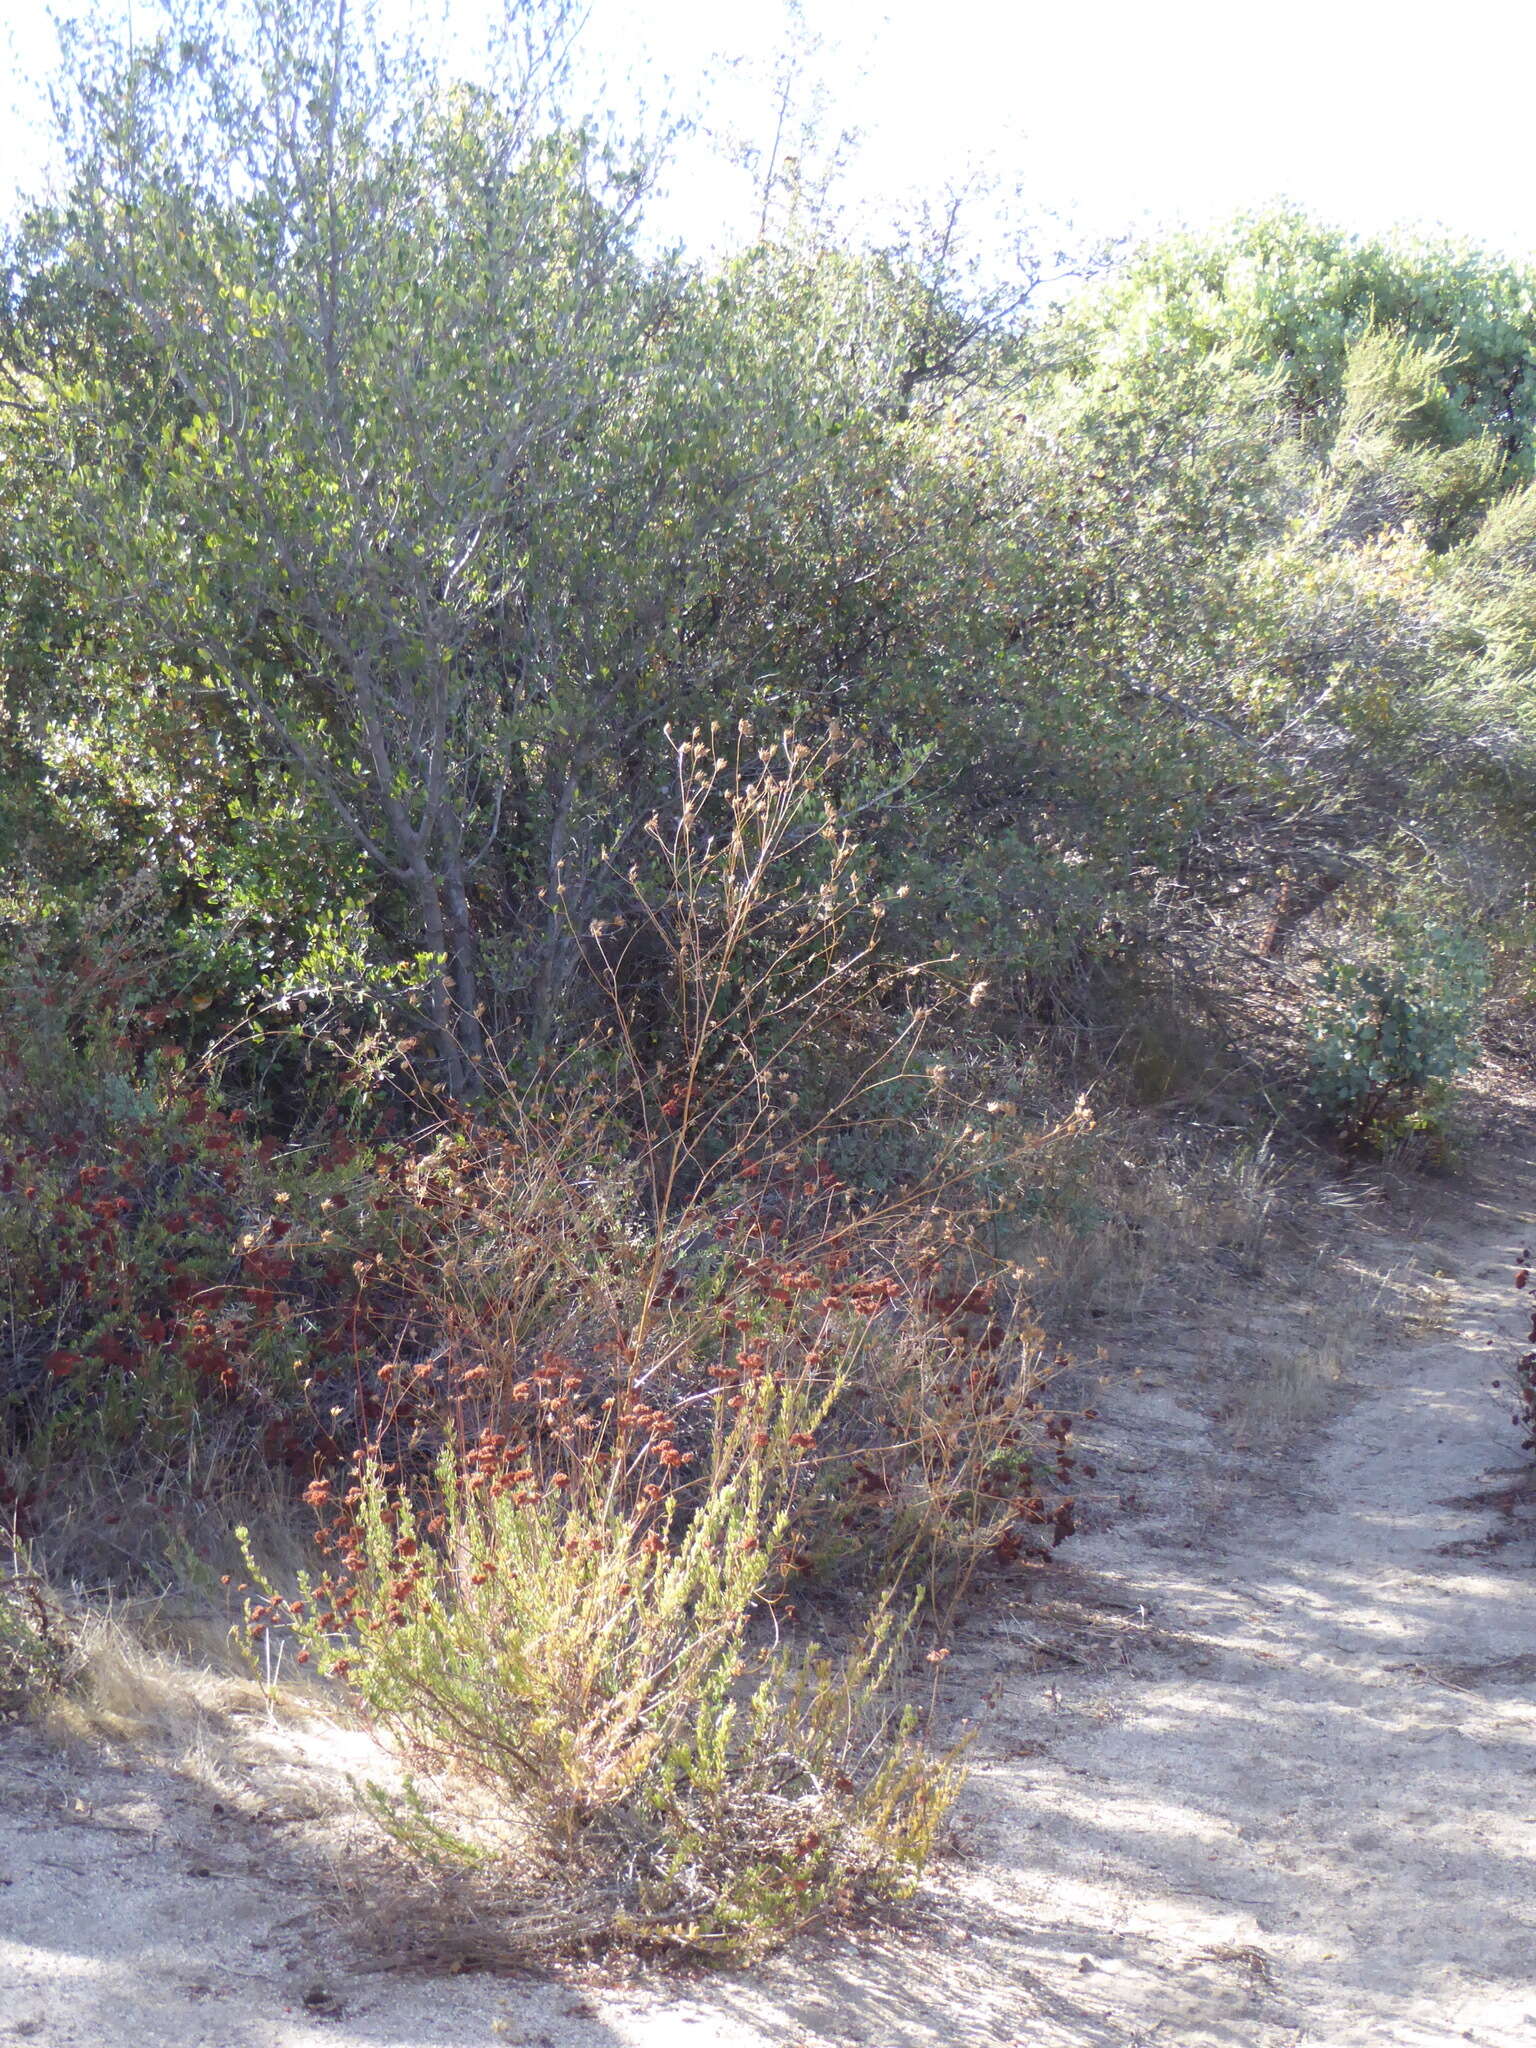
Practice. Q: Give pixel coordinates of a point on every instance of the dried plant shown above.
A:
(680, 1370)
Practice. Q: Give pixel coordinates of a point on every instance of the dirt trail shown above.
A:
(1258, 1768)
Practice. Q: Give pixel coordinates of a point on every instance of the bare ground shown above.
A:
(1256, 1765)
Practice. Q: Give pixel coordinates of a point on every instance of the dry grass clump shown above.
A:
(134, 1681)
(1127, 1209)
(121, 1672)
(1299, 1345)
(1287, 1384)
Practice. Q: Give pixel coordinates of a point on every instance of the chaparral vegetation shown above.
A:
(631, 882)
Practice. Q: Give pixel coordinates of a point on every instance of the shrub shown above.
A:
(679, 1371)
(556, 1297)
(189, 1304)
(675, 1222)
(185, 1302)
(579, 1678)
(1390, 1030)
(33, 1654)
(1524, 1415)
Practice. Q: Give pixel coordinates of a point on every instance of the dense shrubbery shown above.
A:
(180, 1291)
(185, 1293)
(617, 1175)
(582, 1381)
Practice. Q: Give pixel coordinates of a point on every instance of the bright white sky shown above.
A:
(1119, 114)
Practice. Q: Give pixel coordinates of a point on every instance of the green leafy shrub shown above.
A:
(33, 1652)
(1391, 1029)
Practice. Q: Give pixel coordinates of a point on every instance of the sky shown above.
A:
(1368, 113)
(1117, 116)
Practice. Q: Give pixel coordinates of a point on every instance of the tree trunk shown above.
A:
(559, 947)
(462, 972)
(448, 938)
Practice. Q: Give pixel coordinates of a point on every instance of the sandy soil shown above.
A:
(1257, 1763)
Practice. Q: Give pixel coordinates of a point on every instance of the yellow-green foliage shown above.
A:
(589, 1690)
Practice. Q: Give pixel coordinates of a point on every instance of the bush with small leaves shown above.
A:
(33, 1650)
(583, 1683)
(1393, 1026)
